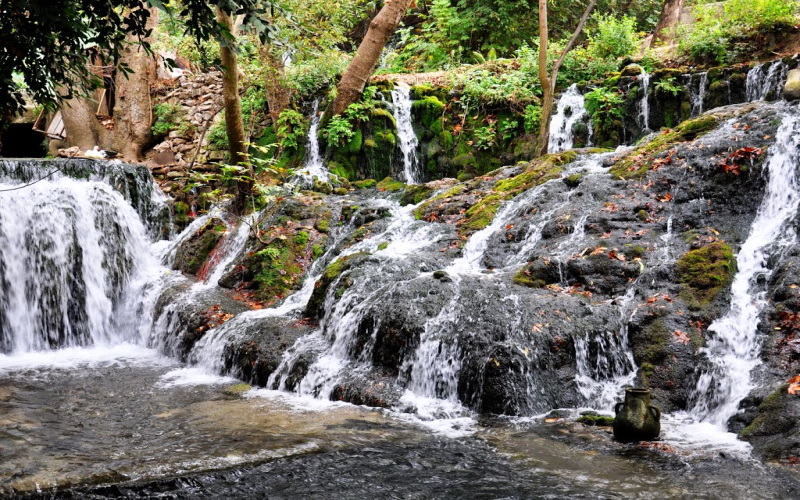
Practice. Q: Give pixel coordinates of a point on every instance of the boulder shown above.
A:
(791, 91)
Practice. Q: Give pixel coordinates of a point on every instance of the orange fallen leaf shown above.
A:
(794, 385)
(681, 337)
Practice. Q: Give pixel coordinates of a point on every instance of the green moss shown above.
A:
(181, 208)
(705, 272)
(523, 277)
(638, 163)
(385, 114)
(355, 143)
(574, 179)
(414, 194)
(365, 184)
(329, 276)
(317, 250)
(237, 390)
(340, 191)
(596, 420)
(370, 143)
(652, 349)
(323, 187)
(322, 225)
(301, 238)
(383, 245)
(389, 184)
(429, 109)
(420, 91)
(480, 215)
(541, 170)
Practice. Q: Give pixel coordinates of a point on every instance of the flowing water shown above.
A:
(570, 110)
(698, 92)
(118, 411)
(733, 349)
(313, 167)
(407, 138)
(768, 84)
(644, 105)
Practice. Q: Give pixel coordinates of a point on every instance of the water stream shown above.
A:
(570, 110)
(407, 138)
(733, 349)
(768, 84)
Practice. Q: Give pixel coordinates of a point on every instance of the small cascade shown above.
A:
(698, 92)
(733, 348)
(74, 258)
(314, 167)
(571, 109)
(407, 138)
(644, 106)
(226, 252)
(763, 85)
(605, 362)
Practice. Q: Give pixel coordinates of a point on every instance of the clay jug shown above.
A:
(636, 419)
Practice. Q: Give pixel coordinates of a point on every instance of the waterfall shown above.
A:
(766, 85)
(75, 257)
(605, 362)
(644, 105)
(313, 167)
(401, 99)
(733, 348)
(571, 109)
(698, 94)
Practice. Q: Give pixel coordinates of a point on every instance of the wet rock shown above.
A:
(775, 432)
(192, 254)
(791, 90)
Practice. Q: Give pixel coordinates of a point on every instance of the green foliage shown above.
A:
(668, 86)
(532, 118)
(604, 106)
(310, 77)
(485, 137)
(614, 37)
(338, 131)
(217, 135)
(169, 117)
(712, 37)
(291, 129)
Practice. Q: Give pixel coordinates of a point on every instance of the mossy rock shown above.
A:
(638, 162)
(705, 272)
(652, 345)
(340, 191)
(365, 184)
(192, 254)
(631, 70)
(323, 187)
(541, 170)
(389, 184)
(596, 420)
(480, 215)
(385, 114)
(414, 194)
(236, 390)
(314, 308)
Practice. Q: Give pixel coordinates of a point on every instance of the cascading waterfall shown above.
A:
(571, 109)
(698, 92)
(75, 259)
(733, 348)
(313, 166)
(407, 138)
(605, 363)
(644, 105)
(766, 85)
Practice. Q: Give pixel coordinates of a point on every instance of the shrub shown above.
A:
(613, 37)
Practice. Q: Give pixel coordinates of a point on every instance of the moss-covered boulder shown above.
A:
(791, 91)
(332, 274)
(194, 252)
(775, 431)
(705, 272)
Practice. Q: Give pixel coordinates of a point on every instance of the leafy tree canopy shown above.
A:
(52, 44)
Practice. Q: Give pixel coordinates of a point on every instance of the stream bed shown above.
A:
(118, 422)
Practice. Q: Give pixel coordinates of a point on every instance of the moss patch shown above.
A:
(596, 420)
(705, 272)
(389, 184)
(414, 194)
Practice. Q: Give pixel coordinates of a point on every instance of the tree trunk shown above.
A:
(369, 51)
(549, 83)
(234, 125)
(670, 16)
(133, 111)
(80, 123)
(278, 94)
(547, 86)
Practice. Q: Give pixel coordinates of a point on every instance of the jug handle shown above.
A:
(656, 412)
(618, 406)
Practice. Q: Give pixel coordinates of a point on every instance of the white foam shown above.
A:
(72, 358)
(189, 376)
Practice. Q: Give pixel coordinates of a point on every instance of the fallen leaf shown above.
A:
(794, 385)
(681, 337)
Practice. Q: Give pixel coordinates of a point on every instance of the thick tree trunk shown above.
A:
(234, 125)
(670, 16)
(80, 123)
(278, 94)
(363, 64)
(133, 111)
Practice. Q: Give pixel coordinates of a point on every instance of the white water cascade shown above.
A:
(571, 109)
(313, 167)
(733, 349)
(644, 105)
(75, 262)
(698, 93)
(409, 144)
(762, 85)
